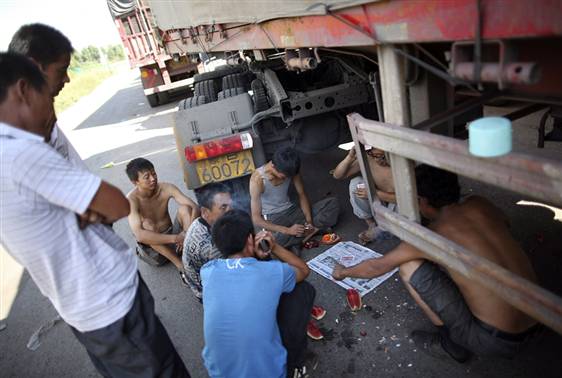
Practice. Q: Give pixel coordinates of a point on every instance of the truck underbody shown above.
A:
(409, 65)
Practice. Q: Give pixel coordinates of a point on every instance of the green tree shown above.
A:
(115, 53)
(90, 54)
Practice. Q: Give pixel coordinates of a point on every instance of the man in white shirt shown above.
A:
(87, 272)
(51, 51)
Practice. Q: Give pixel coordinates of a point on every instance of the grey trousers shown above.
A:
(360, 206)
(324, 214)
(443, 297)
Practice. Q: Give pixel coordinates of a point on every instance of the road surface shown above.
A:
(115, 124)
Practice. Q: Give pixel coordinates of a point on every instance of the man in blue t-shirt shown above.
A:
(253, 329)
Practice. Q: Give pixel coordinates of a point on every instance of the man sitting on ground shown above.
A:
(382, 174)
(158, 239)
(255, 311)
(198, 248)
(273, 210)
(469, 317)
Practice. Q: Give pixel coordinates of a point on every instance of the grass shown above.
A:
(83, 81)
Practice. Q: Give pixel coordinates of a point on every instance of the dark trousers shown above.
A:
(293, 315)
(136, 345)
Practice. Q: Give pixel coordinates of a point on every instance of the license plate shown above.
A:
(225, 167)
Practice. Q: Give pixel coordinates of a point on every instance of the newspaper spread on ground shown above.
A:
(348, 254)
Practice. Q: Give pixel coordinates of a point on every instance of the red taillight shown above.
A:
(218, 147)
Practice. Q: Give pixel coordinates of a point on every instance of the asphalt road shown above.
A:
(116, 124)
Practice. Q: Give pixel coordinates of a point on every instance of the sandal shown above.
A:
(371, 234)
(309, 244)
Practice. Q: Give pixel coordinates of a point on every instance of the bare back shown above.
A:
(154, 208)
(480, 227)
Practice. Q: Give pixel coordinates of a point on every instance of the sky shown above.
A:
(84, 22)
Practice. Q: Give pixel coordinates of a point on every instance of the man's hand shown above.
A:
(337, 273)
(179, 241)
(351, 153)
(361, 192)
(89, 217)
(296, 230)
(267, 237)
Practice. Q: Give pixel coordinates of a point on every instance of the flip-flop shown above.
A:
(329, 239)
(309, 244)
(364, 239)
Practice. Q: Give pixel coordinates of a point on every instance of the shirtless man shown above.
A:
(158, 239)
(382, 174)
(469, 317)
(273, 210)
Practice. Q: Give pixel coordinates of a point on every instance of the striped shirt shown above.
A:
(198, 249)
(89, 275)
(60, 142)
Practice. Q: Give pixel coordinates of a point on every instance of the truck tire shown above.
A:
(230, 93)
(206, 88)
(260, 96)
(152, 100)
(234, 81)
(192, 102)
(217, 73)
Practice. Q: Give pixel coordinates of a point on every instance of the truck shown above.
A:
(162, 75)
(402, 75)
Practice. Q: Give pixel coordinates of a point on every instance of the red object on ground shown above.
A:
(309, 244)
(318, 312)
(329, 239)
(313, 331)
(353, 299)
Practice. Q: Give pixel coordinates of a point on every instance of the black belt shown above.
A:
(516, 337)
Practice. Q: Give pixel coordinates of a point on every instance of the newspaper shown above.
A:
(348, 254)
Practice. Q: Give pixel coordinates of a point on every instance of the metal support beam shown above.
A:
(305, 104)
(525, 111)
(454, 112)
(549, 100)
(521, 293)
(396, 111)
(532, 176)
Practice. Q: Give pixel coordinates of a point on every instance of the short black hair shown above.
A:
(287, 161)
(138, 165)
(439, 187)
(206, 194)
(231, 231)
(43, 43)
(15, 67)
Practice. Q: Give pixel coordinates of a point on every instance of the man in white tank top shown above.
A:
(273, 210)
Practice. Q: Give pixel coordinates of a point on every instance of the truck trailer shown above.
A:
(404, 76)
(161, 74)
